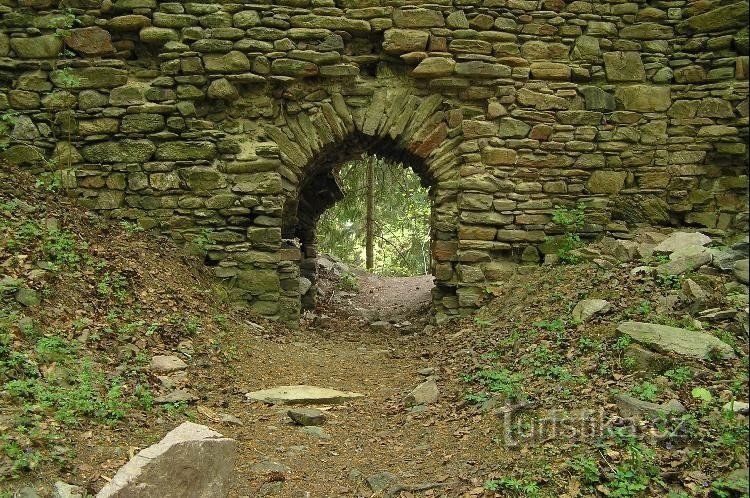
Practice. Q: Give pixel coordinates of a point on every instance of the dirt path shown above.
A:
(374, 434)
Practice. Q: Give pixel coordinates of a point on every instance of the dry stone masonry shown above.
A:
(222, 123)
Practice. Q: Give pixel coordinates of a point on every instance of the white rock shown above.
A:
(302, 394)
(424, 394)
(192, 460)
(741, 270)
(65, 490)
(304, 285)
(166, 364)
(587, 308)
(681, 240)
(736, 407)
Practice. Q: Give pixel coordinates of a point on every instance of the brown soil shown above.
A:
(452, 446)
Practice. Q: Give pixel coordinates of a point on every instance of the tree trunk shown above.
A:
(370, 221)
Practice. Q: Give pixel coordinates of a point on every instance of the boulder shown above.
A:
(166, 364)
(65, 490)
(680, 240)
(307, 416)
(693, 292)
(302, 395)
(685, 264)
(633, 407)
(740, 407)
(424, 394)
(587, 308)
(91, 42)
(191, 460)
(740, 270)
(664, 338)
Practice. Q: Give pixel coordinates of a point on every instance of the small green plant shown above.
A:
(513, 487)
(349, 281)
(113, 284)
(507, 383)
(726, 337)
(202, 241)
(8, 120)
(131, 226)
(586, 468)
(646, 391)
(66, 78)
(572, 221)
(668, 280)
(679, 376)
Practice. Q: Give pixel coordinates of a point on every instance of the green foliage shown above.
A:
(513, 487)
(509, 384)
(702, 394)
(679, 376)
(571, 221)
(67, 79)
(646, 391)
(349, 282)
(402, 219)
(7, 121)
(131, 227)
(586, 468)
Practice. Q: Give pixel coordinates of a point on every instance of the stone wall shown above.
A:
(222, 123)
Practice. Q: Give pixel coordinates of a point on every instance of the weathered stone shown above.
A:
(205, 457)
(158, 36)
(624, 66)
(677, 241)
(633, 407)
(740, 271)
(307, 416)
(550, 71)
(124, 151)
(606, 182)
(644, 98)
(432, 67)
(400, 41)
(142, 123)
(231, 62)
(92, 41)
(647, 31)
(718, 19)
(130, 22)
(597, 99)
(418, 18)
(65, 490)
(425, 393)
(89, 77)
(587, 308)
(294, 68)
(166, 364)
(38, 47)
(302, 395)
(185, 151)
(663, 338)
(28, 297)
(223, 89)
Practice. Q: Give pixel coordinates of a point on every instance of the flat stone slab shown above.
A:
(668, 339)
(302, 395)
(680, 240)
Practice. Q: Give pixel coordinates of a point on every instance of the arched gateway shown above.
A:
(224, 122)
